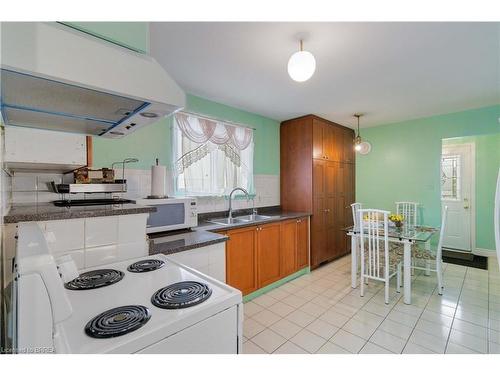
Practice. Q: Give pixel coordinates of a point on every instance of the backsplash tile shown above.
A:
(32, 188)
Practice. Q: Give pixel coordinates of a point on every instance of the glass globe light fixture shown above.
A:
(301, 65)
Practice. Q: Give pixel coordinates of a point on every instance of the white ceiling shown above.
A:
(389, 71)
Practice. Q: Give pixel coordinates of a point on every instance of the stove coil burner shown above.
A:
(95, 279)
(181, 295)
(146, 265)
(118, 321)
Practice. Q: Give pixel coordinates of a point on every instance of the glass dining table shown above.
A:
(408, 236)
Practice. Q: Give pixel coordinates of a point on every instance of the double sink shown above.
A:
(240, 219)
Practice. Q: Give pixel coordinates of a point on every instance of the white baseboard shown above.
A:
(484, 252)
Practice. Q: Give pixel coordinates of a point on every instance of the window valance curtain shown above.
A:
(200, 130)
(211, 157)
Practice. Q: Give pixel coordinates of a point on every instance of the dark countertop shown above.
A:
(203, 234)
(175, 243)
(47, 211)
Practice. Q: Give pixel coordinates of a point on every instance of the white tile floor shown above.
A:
(321, 313)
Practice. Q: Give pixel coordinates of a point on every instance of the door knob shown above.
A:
(466, 203)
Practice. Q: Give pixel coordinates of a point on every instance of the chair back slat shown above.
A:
(355, 207)
(409, 211)
(444, 218)
(374, 241)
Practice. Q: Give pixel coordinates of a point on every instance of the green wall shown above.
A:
(404, 164)
(133, 35)
(155, 140)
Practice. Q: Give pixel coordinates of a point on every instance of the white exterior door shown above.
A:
(456, 189)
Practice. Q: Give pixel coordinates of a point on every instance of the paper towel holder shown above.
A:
(157, 196)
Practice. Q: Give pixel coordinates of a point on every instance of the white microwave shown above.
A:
(171, 213)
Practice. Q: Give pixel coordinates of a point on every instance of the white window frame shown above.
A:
(176, 153)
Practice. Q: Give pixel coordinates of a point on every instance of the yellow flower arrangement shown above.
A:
(397, 219)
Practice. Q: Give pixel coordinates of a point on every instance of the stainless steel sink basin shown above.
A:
(254, 217)
(239, 219)
(227, 221)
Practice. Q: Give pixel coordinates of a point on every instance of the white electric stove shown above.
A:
(144, 305)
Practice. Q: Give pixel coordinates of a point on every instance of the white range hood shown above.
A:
(56, 78)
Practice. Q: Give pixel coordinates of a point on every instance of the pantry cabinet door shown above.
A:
(241, 259)
(318, 151)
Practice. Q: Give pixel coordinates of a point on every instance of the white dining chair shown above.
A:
(355, 216)
(377, 261)
(433, 258)
(355, 245)
(409, 210)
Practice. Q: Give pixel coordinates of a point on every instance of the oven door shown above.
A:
(169, 216)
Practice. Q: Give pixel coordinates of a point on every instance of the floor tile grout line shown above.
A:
(283, 317)
(346, 293)
(343, 292)
(385, 318)
(458, 302)
(416, 323)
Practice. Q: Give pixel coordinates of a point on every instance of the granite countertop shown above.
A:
(47, 211)
(203, 234)
(174, 243)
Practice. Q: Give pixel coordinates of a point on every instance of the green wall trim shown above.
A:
(276, 284)
(404, 164)
(132, 35)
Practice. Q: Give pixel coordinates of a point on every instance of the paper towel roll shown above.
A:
(158, 181)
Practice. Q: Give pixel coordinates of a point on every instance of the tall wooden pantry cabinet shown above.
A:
(317, 176)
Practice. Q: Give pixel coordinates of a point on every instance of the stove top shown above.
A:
(136, 289)
(181, 295)
(146, 265)
(118, 321)
(95, 279)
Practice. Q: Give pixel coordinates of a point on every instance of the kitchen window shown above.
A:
(211, 157)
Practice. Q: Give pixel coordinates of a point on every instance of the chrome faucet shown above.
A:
(231, 199)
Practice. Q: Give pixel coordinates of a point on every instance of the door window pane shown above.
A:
(450, 177)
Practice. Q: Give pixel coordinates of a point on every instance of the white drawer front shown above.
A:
(64, 235)
(132, 228)
(215, 335)
(100, 231)
(210, 260)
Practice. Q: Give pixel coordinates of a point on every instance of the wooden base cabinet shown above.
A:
(241, 259)
(259, 255)
(268, 254)
(317, 175)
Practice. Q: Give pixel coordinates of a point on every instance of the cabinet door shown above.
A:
(329, 141)
(335, 143)
(241, 259)
(268, 254)
(288, 247)
(318, 223)
(318, 152)
(348, 146)
(302, 243)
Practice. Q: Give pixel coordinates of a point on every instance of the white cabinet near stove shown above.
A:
(33, 149)
(91, 241)
(209, 260)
